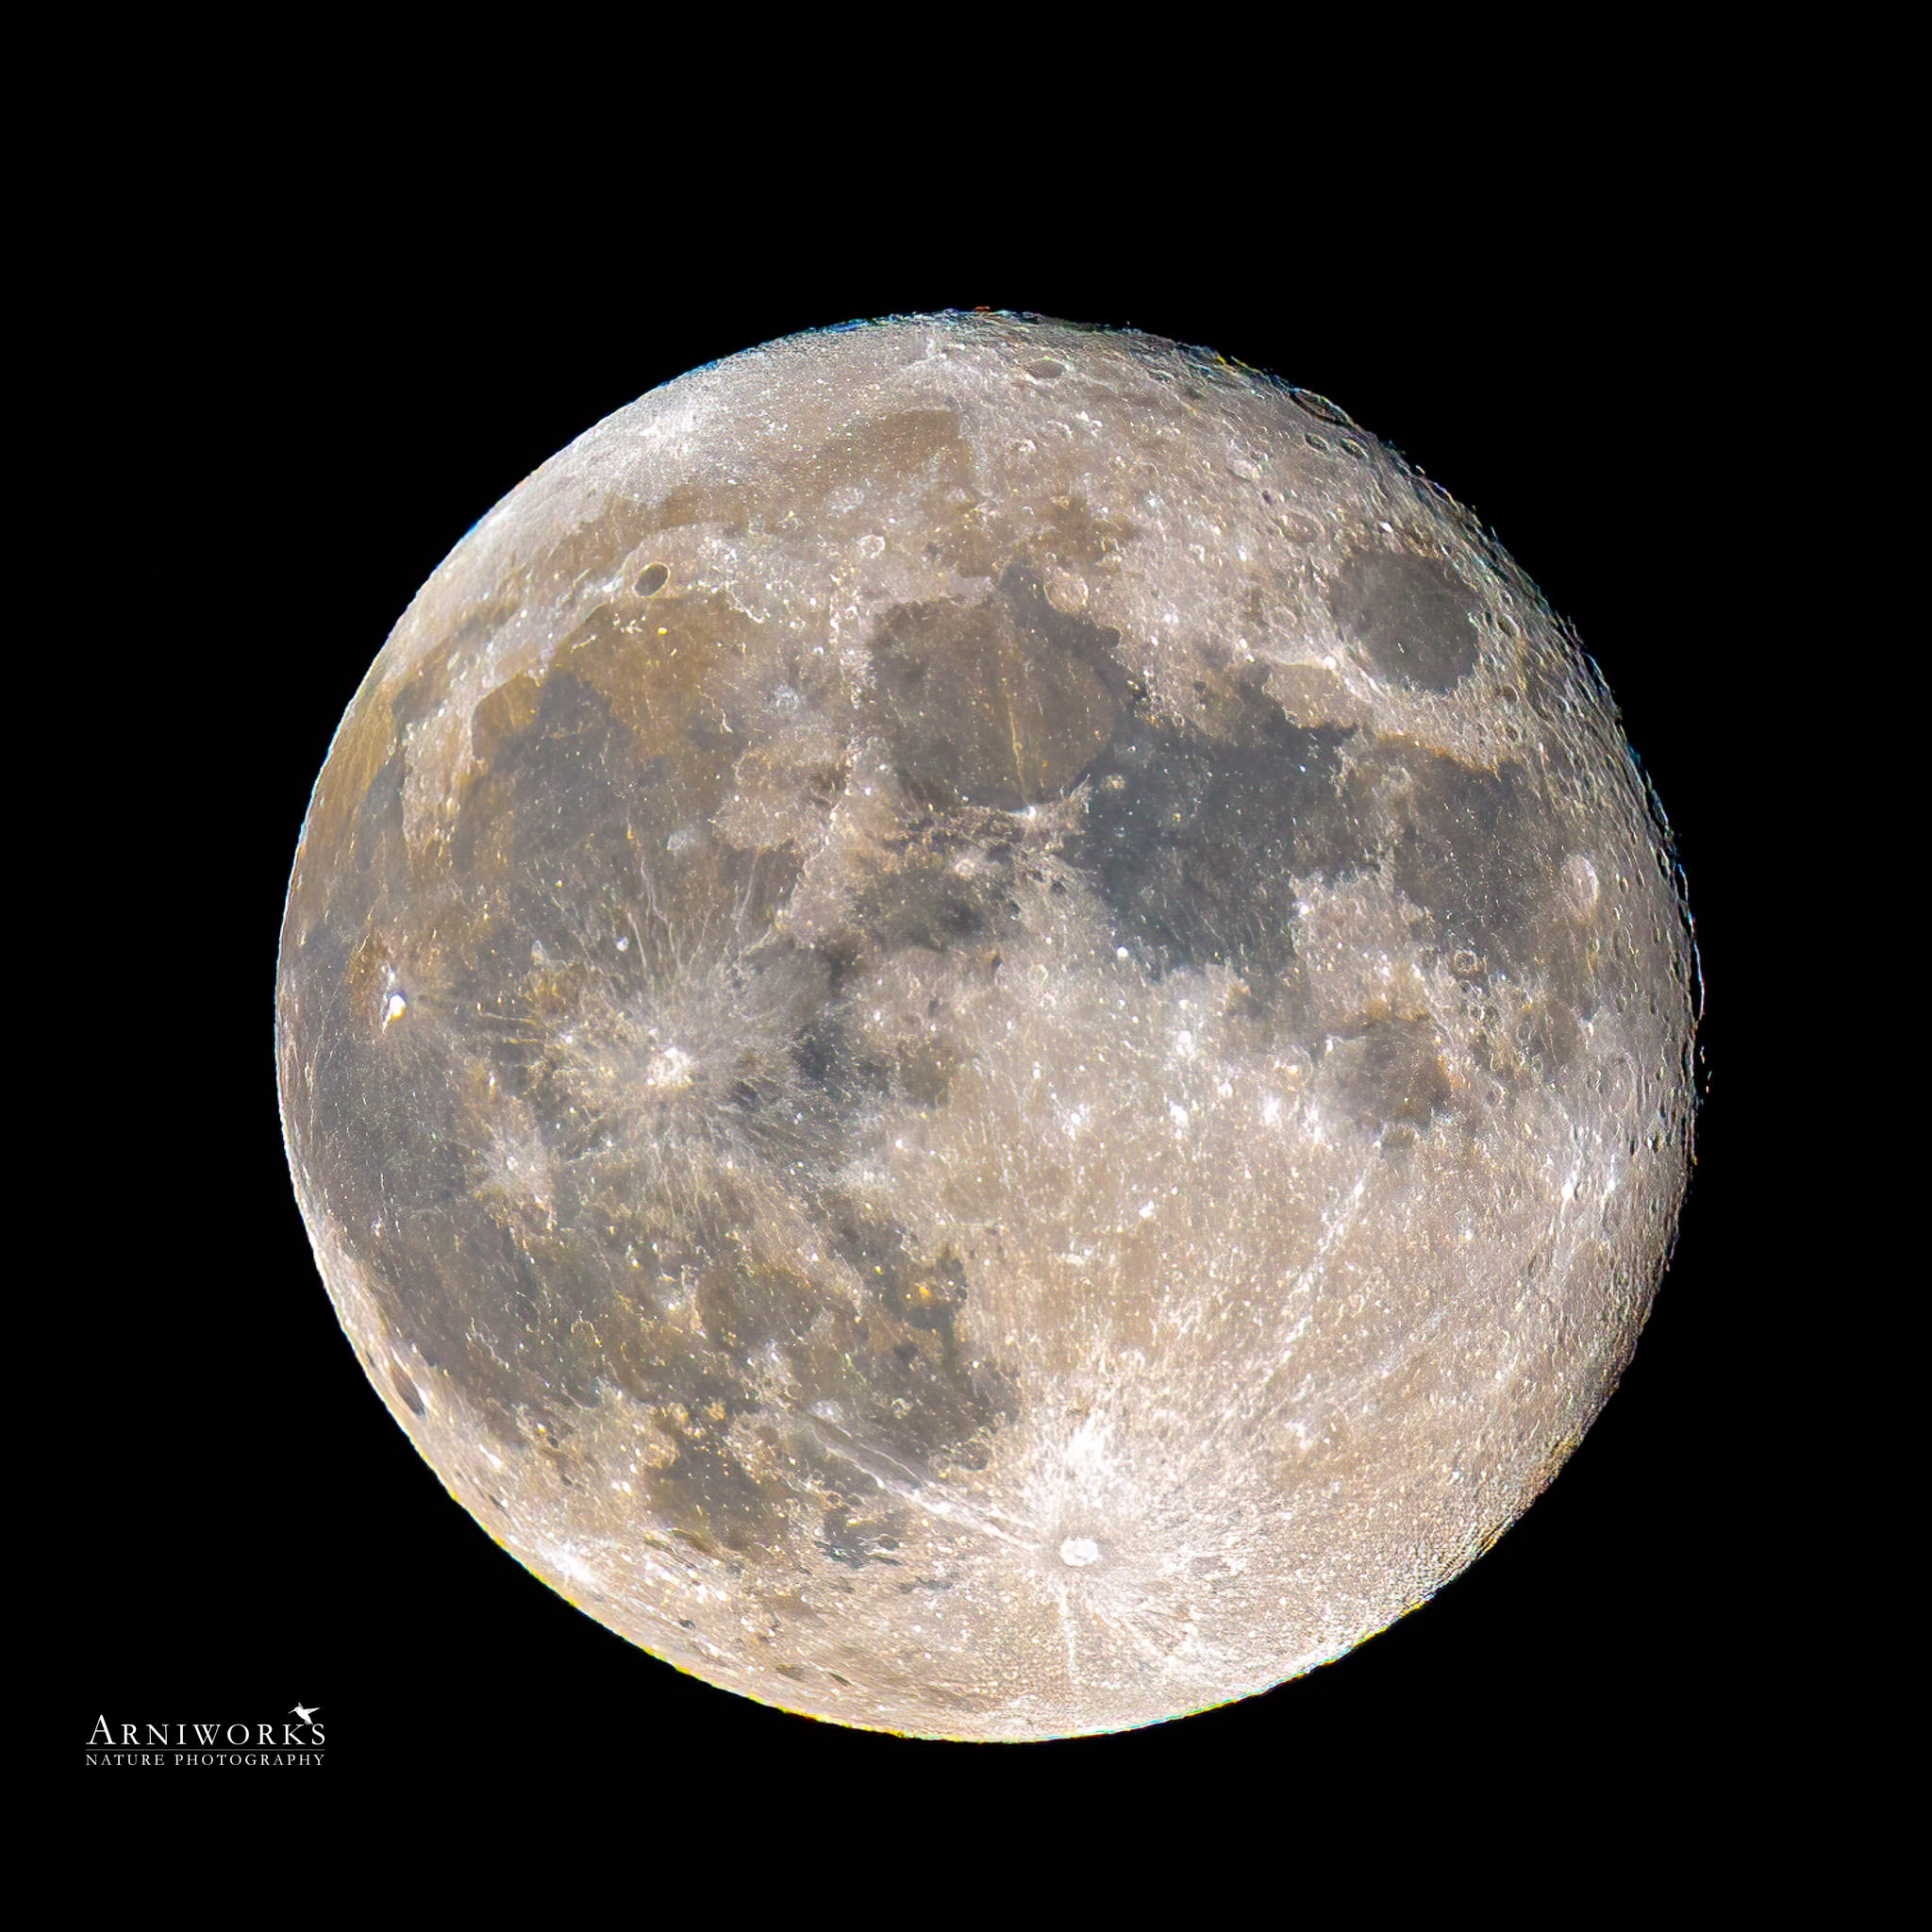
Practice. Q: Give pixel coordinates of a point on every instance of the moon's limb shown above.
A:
(984, 1030)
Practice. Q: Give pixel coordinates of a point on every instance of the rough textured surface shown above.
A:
(984, 1031)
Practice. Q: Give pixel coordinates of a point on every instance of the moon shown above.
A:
(984, 1031)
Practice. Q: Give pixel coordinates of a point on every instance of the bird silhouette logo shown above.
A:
(307, 1712)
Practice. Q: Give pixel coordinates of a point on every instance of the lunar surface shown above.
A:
(983, 1029)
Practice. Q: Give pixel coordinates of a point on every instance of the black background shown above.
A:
(340, 379)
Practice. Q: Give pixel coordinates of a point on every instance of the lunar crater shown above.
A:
(986, 1028)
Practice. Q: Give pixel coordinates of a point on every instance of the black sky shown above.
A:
(328, 386)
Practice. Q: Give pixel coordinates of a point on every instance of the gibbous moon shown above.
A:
(984, 1030)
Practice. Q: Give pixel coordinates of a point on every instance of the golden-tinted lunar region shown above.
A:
(984, 1030)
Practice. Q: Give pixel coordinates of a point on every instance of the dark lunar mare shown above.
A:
(650, 1274)
(1003, 702)
(1414, 619)
(1192, 840)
